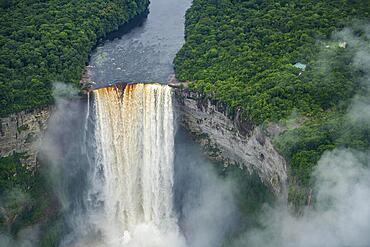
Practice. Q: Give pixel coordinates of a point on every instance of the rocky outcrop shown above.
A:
(228, 138)
(20, 133)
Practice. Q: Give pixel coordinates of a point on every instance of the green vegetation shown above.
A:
(243, 53)
(251, 197)
(53, 231)
(46, 41)
(25, 199)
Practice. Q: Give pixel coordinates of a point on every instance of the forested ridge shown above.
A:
(243, 53)
(46, 41)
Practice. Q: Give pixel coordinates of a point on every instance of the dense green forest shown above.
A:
(243, 53)
(45, 41)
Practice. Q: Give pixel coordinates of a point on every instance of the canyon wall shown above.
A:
(228, 138)
(20, 133)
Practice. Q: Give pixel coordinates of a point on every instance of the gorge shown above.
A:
(142, 178)
(244, 150)
(113, 155)
(134, 181)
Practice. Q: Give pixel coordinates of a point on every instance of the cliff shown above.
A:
(20, 133)
(230, 139)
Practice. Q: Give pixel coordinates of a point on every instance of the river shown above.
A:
(146, 52)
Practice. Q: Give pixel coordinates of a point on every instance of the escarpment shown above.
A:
(20, 133)
(230, 139)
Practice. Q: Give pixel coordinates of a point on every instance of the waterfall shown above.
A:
(134, 135)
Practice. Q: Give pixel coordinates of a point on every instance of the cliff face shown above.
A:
(20, 133)
(229, 139)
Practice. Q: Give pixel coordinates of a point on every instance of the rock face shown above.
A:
(229, 139)
(20, 133)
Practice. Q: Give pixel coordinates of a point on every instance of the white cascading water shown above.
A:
(135, 145)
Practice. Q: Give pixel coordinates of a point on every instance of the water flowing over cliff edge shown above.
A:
(133, 168)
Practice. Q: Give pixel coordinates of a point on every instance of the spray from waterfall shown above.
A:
(134, 135)
(85, 131)
(87, 111)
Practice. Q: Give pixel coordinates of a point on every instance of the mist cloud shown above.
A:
(341, 216)
(27, 237)
(359, 110)
(205, 201)
(56, 145)
(12, 205)
(64, 163)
